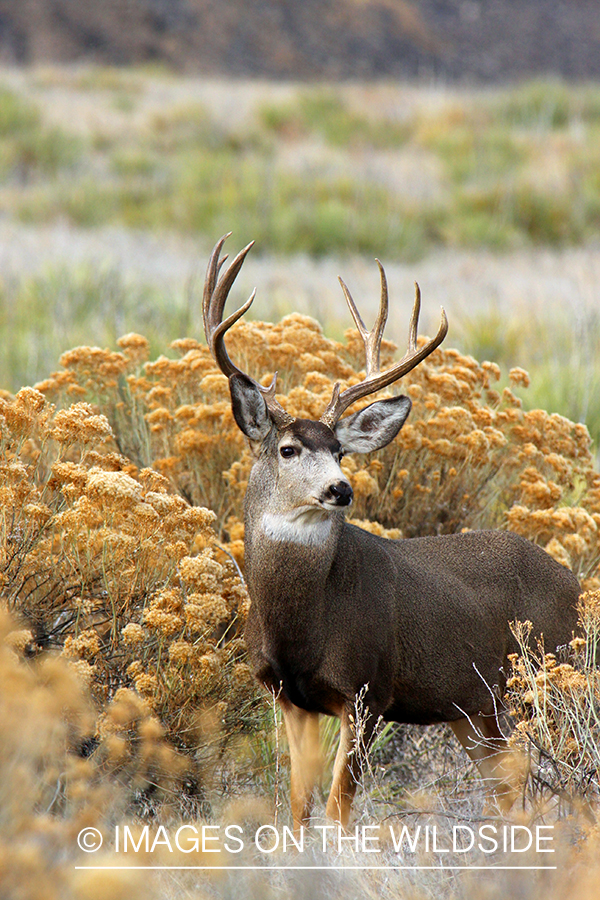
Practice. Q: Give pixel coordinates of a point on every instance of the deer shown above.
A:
(422, 626)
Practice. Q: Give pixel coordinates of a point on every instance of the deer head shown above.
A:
(307, 453)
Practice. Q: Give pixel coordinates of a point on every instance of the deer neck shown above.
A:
(306, 526)
(296, 547)
(288, 559)
(288, 552)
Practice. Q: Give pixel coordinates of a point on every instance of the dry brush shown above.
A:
(121, 548)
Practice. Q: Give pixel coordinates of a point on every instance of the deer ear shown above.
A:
(249, 408)
(373, 427)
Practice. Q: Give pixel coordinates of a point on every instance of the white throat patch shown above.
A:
(305, 526)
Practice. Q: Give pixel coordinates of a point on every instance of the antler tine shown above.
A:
(360, 325)
(414, 321)
(213, 303)
(212, 271)
(374, 379)
(371, 339)
(383, 309)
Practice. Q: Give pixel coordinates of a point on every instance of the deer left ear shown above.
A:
(249, 408)
(373, 427)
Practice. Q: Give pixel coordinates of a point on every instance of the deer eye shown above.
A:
(287, 452)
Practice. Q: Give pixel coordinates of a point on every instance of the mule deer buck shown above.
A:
(422, 622)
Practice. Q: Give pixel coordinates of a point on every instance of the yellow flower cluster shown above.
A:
(107, 564)
(555, 704)
(132, 743)
(124, 502)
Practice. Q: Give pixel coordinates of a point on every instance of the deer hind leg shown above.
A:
(346, 771)
(302, 729)
(486, 745)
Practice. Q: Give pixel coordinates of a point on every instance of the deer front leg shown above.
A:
(346, 770)
(302, 729)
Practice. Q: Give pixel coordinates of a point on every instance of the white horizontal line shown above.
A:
(320, 868)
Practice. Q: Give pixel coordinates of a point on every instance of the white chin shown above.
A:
(334, 507)
(311, 528)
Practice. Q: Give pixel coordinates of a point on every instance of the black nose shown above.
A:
(341, 493)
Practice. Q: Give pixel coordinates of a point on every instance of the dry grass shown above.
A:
(113, 559)
(386, 170)
(556, 705)
(52, 787)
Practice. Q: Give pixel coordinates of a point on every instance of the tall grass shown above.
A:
(559, 352)
(63, 307)
(514, 167)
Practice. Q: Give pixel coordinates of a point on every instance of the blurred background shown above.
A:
(459, 142)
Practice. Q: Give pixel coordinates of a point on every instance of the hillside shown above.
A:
(470, 40)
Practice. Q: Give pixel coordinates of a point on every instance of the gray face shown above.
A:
(297, 484)
(309, 470)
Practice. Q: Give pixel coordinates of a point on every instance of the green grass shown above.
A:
(206, 192)
(325, 114)
(560, 354)
(473, 153)
(547, 105)
(517, 167)
(43, 316)
(505, 218)
(16, 115)
(134, 162)
(29, 147)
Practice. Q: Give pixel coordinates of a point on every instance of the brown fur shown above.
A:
(424, 622)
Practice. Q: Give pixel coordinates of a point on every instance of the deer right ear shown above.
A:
(374, 426)
(249, 408)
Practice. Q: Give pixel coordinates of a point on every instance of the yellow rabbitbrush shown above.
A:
(469, 457)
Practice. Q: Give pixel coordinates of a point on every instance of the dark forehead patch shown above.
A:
(314, 435)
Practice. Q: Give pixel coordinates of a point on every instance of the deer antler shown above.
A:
(376, 380)
(213, 304)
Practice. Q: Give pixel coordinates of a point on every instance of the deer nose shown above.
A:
(341, 493)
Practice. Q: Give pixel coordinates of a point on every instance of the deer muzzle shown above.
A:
(339, 494)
